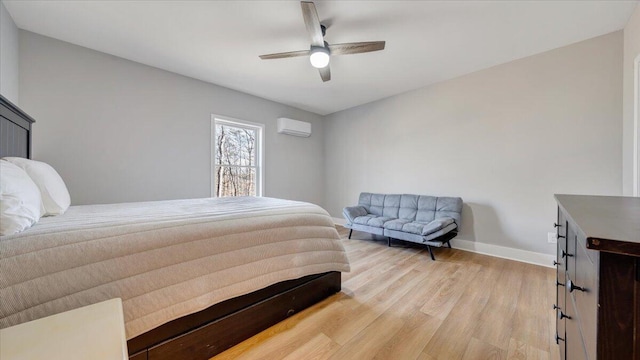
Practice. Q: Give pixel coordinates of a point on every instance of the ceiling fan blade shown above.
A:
(325, 73)
(285, 55)
(356, 48)
(312, 22)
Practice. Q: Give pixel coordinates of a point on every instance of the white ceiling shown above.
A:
(219, 41)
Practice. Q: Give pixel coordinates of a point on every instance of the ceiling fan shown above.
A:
(320, 51)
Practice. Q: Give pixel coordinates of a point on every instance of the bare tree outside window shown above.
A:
(236, 159)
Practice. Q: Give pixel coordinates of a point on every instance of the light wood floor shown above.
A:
(398, 304)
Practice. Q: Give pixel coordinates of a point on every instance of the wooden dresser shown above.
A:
(598, 277)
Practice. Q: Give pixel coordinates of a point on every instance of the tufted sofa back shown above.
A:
(412, 207)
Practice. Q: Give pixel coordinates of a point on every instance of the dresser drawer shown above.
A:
(561, 232)
(569, 256)
(575, 348)
(561, 266)
(585, 294)
(560, 323)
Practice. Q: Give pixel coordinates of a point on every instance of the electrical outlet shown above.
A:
(551, 238)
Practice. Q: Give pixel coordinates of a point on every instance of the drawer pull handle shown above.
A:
(573, 286)
(562, 315)
(561, 236)
(556, 225)
(558, 283)
(555, 263)
(558, 338)
(566, 254)
(556, 307)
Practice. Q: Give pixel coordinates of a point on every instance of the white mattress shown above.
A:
(165, 259)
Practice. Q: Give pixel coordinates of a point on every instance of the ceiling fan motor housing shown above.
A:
(320, 56)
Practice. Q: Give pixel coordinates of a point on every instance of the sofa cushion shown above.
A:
(433, 237)
(426, 209)
(414, 227)
(449, 207)
(352, 212)
(408, 207)
(365, 200)
(391, 206)
(371, 220)
(379, 221)
(436, 225)
(363, 220)
(377, 204)
(395, 224)
(424, 228)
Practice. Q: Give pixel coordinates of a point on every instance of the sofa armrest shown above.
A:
(352, 212)
(437, 225)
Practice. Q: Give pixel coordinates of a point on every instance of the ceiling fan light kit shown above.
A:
(320, 52)
(319, 57)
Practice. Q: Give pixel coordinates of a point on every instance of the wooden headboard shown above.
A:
(15, 130)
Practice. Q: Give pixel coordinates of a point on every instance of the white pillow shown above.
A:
(20, 201)
(55, 196)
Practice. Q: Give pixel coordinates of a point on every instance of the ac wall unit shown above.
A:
(294, 127)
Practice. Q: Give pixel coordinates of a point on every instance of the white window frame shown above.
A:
(258, 128)
(636, 127)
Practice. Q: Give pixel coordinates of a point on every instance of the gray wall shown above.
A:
(8, 56)
(631, 52)
(505, 139)
(120, 131)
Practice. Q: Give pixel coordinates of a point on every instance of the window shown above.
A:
(237, 158)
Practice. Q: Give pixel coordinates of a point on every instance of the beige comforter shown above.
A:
(165, 259)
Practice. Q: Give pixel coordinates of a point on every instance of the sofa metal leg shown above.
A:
(388, 241)
(431, 253)
(449, 244)
(350, 231)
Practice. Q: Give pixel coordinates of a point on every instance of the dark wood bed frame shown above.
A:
(15, 130)
(206, 333)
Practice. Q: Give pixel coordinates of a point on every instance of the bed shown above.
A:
(196, 276)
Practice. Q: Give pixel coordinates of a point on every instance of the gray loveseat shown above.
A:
(428, 220)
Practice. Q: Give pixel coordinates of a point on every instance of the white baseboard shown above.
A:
(504, 252)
